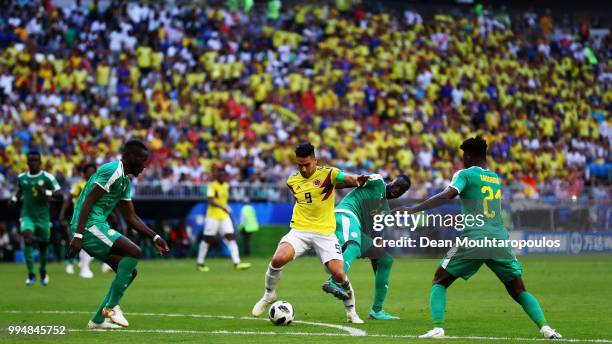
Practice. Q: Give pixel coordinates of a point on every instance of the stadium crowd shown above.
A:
(374, 90)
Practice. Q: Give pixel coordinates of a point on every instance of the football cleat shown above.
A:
(30, 280)
(116, 315)
(242, 266)
(105, 325)
(332, 288)
(203, 268)
(549, 333)
(69, 269)
(382, 315)
(261, 305)
(44, 278)
(86, 273)
(437, 332)
(352, 317)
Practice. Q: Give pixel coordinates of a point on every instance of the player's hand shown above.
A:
(162, 246)
(40, 190)
(75, 247)
(362, 179)
(12, 203)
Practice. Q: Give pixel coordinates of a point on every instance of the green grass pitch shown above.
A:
(171, 302)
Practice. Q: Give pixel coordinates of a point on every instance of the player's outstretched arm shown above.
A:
(76, 242)
(432, 202)
(126, 207)
(352, 180)
(15, 196)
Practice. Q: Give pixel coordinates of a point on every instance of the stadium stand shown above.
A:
(375, 90)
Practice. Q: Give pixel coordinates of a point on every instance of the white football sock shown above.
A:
(202, 251)
(232, 246)
(273, 275)
(349, 304)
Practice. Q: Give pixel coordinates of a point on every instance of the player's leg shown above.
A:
(348, 235)
(382, 272)
(509, 272)
(102, 242)
(27, 232)
(113, 263)
(292, 245)
(42, 235)
(330, 254)
(211, 228)
(84, 261)
(227, 228)
(449, 270)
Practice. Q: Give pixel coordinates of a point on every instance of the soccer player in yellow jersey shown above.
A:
(84, 258)
(218, 221)
(312, 226)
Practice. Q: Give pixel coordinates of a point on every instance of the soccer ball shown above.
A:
(281, 313)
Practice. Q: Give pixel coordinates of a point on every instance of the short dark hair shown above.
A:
(304, 150)
(130, 145)
(405, 178)
(33, 152)
(476, 146)
(88, 166)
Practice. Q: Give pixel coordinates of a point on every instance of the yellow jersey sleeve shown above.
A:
(314, 200)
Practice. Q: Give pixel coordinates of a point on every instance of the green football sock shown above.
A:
(98, 318)
(352, 252)
(43, 257)
(29, 258)
(437, 301)
(532, 308)
(381, 285)
(122, 280)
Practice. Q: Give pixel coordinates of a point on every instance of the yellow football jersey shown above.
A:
(76, 191)
(218, 192)
(314, 200)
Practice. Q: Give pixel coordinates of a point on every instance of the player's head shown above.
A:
(218, 172)
(34, 161)
(398, 186)
(89, 170)
(305, 159)
(474, 151)
(135, 156)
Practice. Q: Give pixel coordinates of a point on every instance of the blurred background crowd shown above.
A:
(375, 89)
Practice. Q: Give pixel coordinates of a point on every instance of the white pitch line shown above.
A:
(350, 330)
(344, 328)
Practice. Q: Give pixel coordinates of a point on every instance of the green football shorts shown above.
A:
(98, 239)
(506, 269)
(41, 228)
(348, 229)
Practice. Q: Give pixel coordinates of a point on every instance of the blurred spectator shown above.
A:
(376, 90)
(248, 225)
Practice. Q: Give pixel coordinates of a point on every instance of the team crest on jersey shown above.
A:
(40, 182)
(317, 182)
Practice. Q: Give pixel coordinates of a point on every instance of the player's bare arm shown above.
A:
(76, 242)
(15, 196)
(127, 210)
(353, 180)
(432, 202)
(215, 204)
(56, 195)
